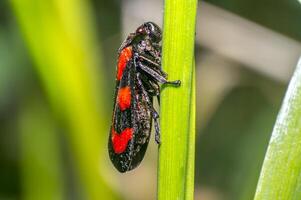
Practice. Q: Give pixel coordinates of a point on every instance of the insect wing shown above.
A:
(130, 130)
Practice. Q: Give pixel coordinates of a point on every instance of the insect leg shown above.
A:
(153, 62)
(154, 113)
(158, 98)
(152, 87)
(157, 126)
(158, 77)
(150, 60)
(156, 88)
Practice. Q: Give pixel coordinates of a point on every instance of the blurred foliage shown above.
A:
(233, 144)
(280, 15)
(61, 39)
(41, 160)
(108, 24)
(15, 82)
(57, 45)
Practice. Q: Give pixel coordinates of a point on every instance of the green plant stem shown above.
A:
(280, 176)
(176, 152)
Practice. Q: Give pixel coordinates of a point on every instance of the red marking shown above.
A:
(124, 57)
(124, 98)
(120, 141)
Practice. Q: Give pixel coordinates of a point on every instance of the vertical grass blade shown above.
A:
(176, 153)
(60, 37)
(280, 176)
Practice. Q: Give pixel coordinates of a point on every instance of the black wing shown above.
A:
(131, 127)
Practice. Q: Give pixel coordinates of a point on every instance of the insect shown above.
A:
(137, 82)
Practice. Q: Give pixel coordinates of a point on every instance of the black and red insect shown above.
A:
(137, 82)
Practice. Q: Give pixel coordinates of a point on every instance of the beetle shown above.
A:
(138, 76)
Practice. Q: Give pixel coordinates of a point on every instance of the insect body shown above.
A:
(137, 82)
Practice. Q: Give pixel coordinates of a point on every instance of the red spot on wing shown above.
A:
(120, 141)
(124, 98)
(124, 57)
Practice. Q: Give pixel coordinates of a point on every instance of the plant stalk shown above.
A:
(176, 152)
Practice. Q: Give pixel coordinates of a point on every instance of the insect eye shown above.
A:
(141, 30)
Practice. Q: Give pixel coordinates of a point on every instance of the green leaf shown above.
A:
(280, 176)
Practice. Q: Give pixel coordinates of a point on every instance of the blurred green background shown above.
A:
(57, 69)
